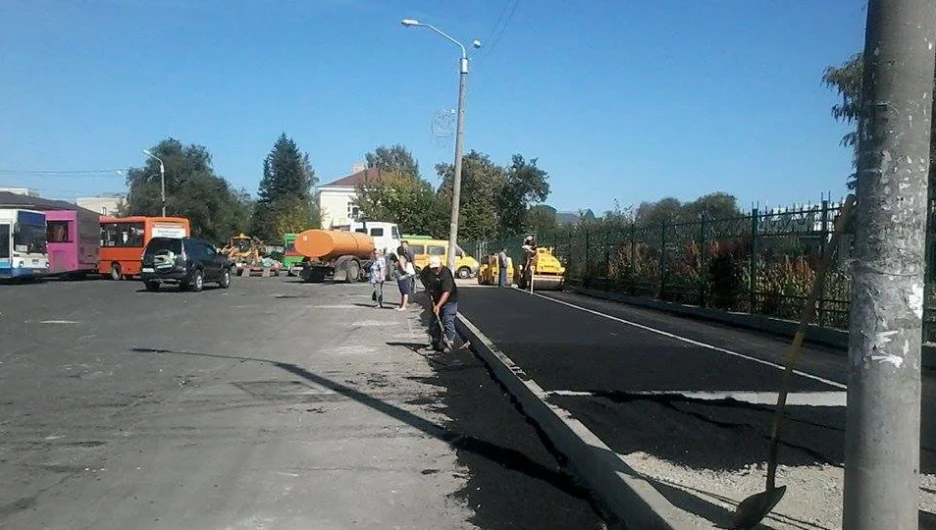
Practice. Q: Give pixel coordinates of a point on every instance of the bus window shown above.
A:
(4, 241)
(122, 235)
(394, 232)
(30, 239)
(436, 250)
(376, 232)
(57, 232)
(417, 249)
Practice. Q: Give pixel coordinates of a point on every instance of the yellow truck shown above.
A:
(465, 265)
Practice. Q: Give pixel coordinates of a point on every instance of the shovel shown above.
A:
(754, 508)
(448, 343)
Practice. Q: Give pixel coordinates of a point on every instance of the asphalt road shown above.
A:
(664, 390)
(272, 404)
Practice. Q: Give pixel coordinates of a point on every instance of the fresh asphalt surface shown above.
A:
(599, 368)
(127, 409)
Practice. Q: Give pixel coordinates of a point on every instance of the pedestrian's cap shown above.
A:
(434, 262)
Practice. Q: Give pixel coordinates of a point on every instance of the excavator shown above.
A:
(245, 251)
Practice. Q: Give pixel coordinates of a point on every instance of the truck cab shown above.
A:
(386, 236)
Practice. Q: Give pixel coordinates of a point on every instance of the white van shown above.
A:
(386, 235)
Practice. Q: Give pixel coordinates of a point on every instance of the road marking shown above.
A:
(693, 342)
(58, 322)
(814, 399)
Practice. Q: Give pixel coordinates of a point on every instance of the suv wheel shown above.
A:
(152, 285)
(464, 273)
(225, 279)
(198, 281)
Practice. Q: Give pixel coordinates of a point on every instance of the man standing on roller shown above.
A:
(443, 292)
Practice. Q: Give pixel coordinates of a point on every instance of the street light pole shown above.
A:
(882, 434)
(162, 178)
(459, 137)
(456, 182)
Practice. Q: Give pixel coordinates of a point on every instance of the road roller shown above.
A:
(489, 271)
(547, 272)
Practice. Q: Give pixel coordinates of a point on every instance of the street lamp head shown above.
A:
(476, 44)
(409, 22)
(147, 152)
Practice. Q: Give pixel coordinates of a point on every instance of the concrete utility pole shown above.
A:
(459, 135)
(882, 440)
(162, 178)
(456, 182)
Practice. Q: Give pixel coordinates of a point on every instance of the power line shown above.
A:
(71, 172)
(503, 29)
(500, 17)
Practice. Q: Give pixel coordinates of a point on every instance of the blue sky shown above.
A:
(618, 99)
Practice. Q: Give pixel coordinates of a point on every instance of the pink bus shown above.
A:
(74, 241)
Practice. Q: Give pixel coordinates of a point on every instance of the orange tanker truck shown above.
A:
(336, 254)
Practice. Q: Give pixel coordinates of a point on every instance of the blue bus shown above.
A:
(23, 252)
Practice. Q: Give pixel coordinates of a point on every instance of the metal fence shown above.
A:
(762, 263)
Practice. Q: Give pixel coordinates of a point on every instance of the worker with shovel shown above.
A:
(440, 285)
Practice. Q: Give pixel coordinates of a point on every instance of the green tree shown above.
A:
(847, 79)
(667, 210)
(403, 199)
(541, 220)
(481, 184)
(285, 201)
(718, 205)
(193, 191)
(393, 159)
(525, 184)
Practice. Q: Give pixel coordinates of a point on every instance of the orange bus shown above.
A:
(123, 240)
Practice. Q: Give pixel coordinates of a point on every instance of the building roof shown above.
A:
(16, 200)
(352, 180)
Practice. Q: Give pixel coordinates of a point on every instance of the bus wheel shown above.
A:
(116, 274)
(464, 273)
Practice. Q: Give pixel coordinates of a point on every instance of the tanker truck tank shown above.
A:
(341, 255)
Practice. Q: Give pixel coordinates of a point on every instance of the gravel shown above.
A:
(813, 498)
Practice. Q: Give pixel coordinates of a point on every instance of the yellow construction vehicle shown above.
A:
(546, 271)
(245, 251)
(489, 271)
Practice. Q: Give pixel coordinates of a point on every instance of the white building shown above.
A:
(21, 191)
(105, 205)
(336, 199)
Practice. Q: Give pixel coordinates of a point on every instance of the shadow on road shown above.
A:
(505, 457)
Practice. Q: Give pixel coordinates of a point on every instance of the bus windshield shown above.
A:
(30, 239)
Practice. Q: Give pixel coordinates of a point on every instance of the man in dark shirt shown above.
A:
(440, 284)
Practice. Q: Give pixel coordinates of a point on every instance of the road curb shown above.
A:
(829, 337)
(628, 497)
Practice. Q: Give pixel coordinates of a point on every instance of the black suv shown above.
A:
(188, 262)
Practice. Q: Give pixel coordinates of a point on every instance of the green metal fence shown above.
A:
(762, 263)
